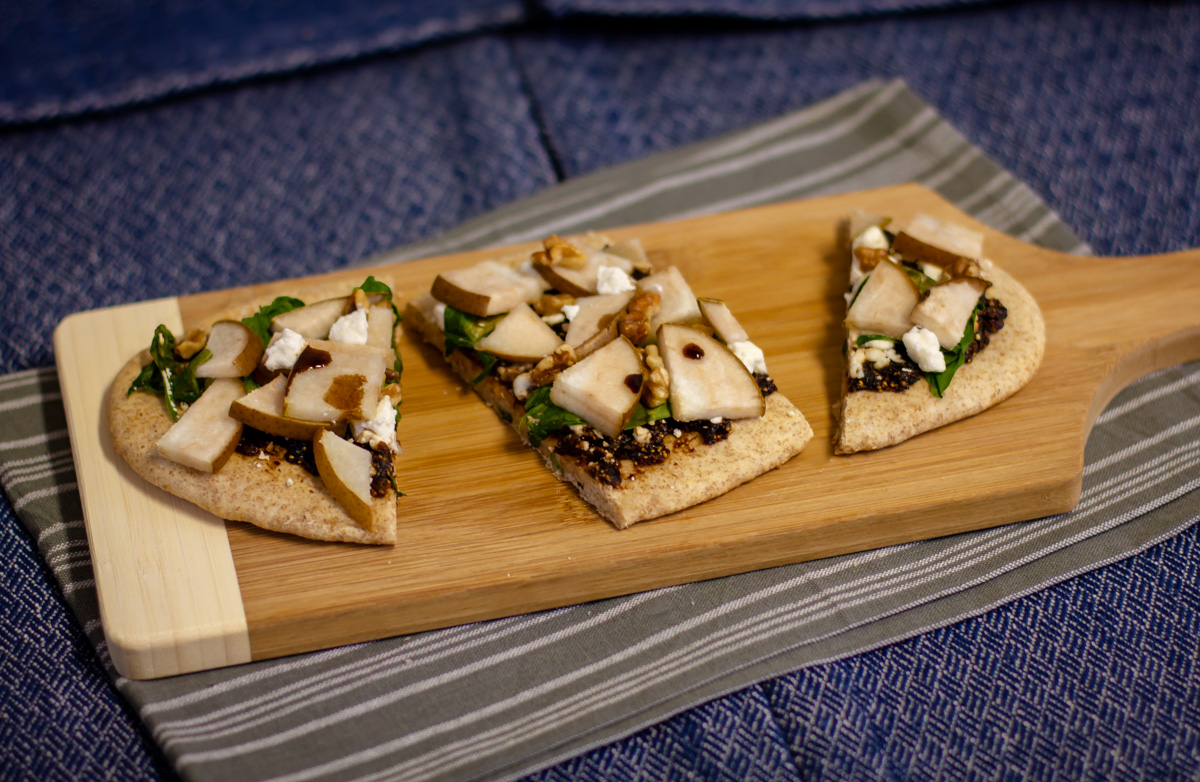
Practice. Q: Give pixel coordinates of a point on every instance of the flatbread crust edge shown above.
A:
(686, 479)
(867, 420)
(246, 489)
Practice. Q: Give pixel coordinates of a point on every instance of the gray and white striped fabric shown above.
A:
(503, 698)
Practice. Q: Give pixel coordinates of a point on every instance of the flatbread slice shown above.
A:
(1002, 362)
(619, 473)
(266, 490)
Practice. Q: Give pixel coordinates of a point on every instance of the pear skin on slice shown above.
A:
(346, 470)
(205, 436)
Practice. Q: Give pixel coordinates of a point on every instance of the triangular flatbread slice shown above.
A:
(265, 489)
(919, 296)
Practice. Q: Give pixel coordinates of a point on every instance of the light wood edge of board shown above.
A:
(180, 608)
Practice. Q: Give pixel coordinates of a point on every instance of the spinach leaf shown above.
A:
(260, 322)
(919, 278)
(465, 331)
(172, 378)
(543, 419)
(489, 363)
(648, 415)
(940, 381)
(372, 285)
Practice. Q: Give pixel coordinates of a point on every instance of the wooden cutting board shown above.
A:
(486, 531)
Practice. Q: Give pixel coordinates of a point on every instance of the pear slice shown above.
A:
(205, 436)
(717, 313)
(583, 281)
(521, 335)
(333, 382)
(633, 250)
(947, 307)
(313, 321)
(235, 350)
(602, 389)
(381, 323)
(707, 380)
(678, 303)
(947, 237)
(346, 470)
(487, 288)
(591, 310)
(884, 302)
(262, 409)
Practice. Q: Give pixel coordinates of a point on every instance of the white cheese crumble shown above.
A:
(854, 363)
(350, 329)
(612, 279)
(570, 311)
(283, 351)
(553, 320)
(439, 314)
(922, 346)
(380, 431)
(716, 420)
(932, 271)
(522, 385)
(751, 355)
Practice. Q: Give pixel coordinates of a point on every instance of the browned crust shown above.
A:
(868, 420)
(245, 489)
(687, 478)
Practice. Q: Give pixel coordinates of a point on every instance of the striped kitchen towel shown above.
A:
(502, 698)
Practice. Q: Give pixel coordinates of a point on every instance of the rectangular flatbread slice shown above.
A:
(590, 361)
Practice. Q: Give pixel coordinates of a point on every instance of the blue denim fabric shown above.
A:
(1093, 104)
(1086, 103)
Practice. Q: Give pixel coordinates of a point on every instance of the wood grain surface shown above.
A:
(486, 531)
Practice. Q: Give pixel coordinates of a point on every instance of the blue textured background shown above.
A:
(130, 169)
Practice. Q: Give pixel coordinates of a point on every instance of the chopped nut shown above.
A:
(361, 302)
(870, 257)
(548, 368)
(552, 303)
(634, 322)
(560, 253)
(392, 392)
(508, 372)
(656, 383)
(192, 344)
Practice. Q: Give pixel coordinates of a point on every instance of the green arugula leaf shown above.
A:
(940, 381)
(260, 322)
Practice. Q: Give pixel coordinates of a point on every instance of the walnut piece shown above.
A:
(508, 372)
(552, 303)
(192, 344)
(656, 383)
(560, 252)
(870, 257)
(634, 322)
(392, 392)
(544, 372)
